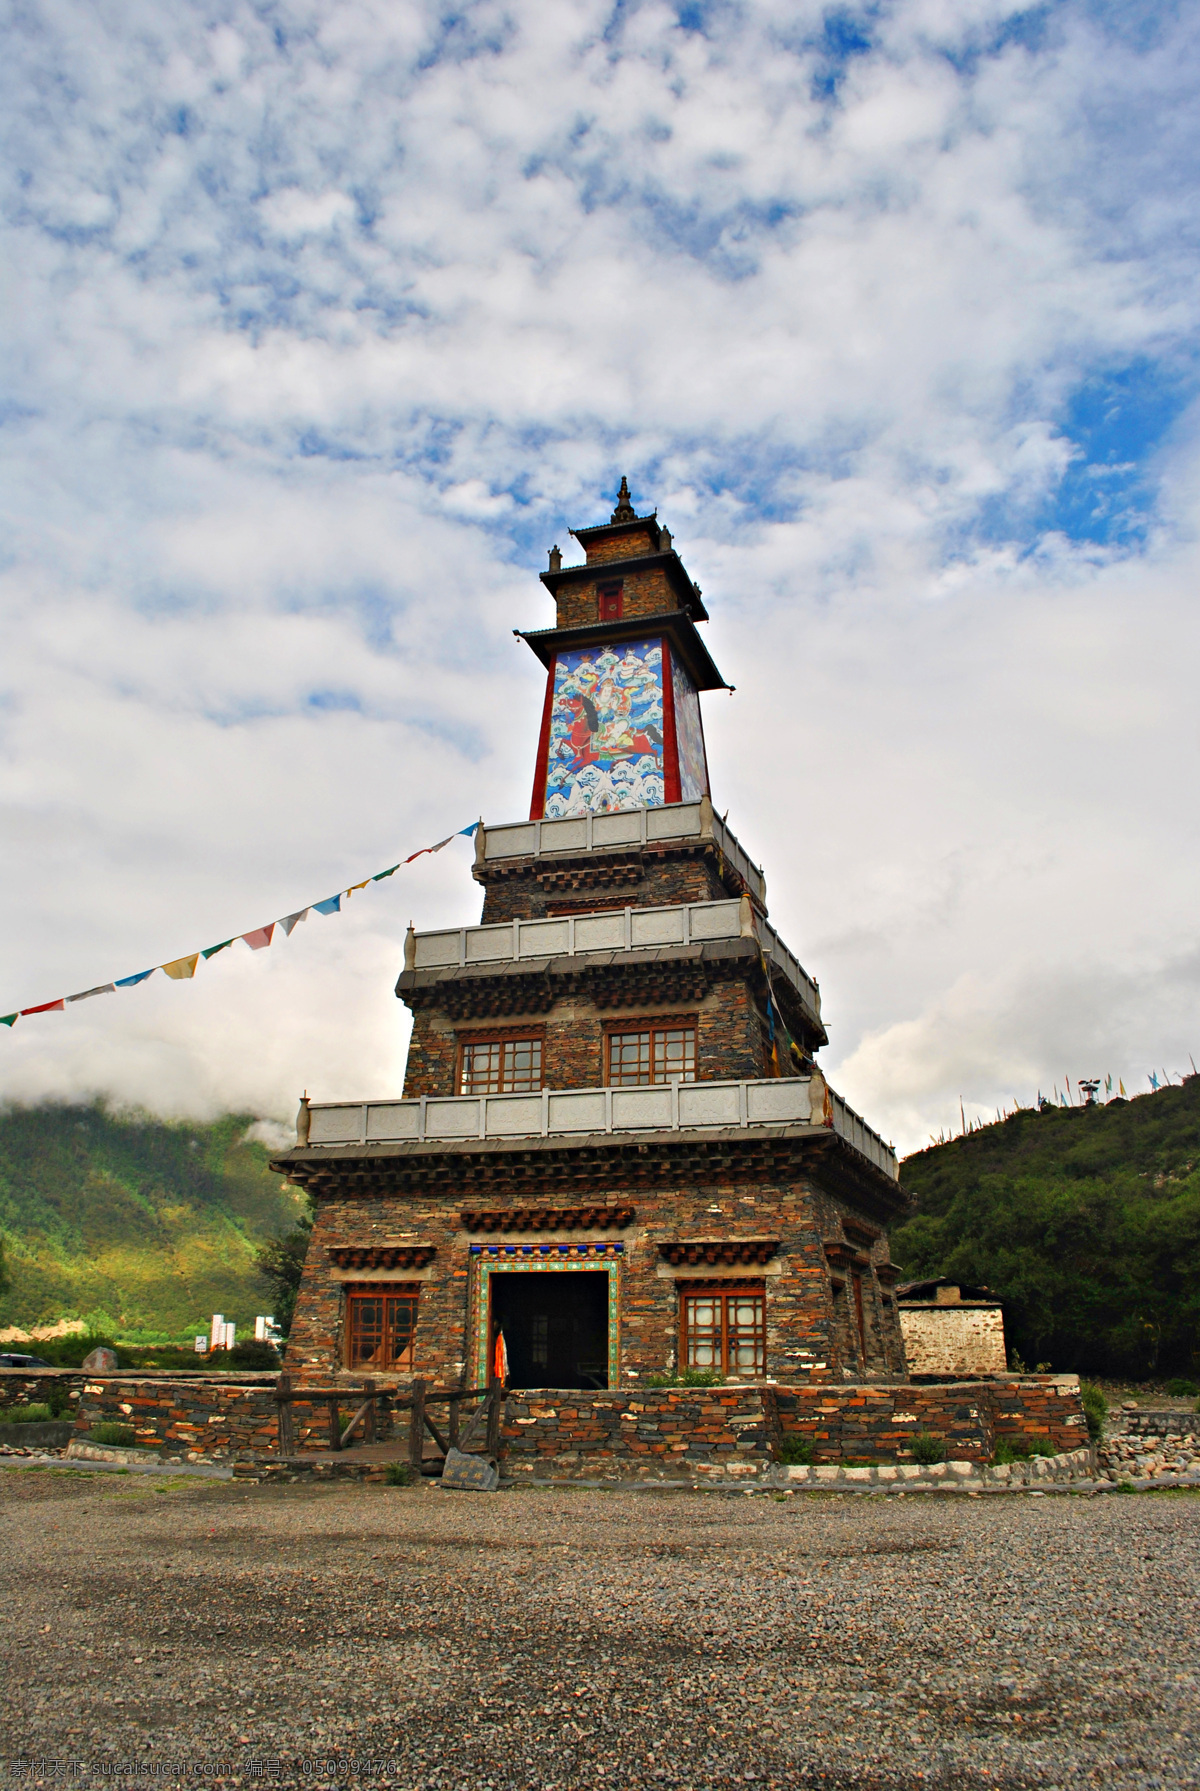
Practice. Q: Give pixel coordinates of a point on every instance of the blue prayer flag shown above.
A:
(127, 982)
(332, 906)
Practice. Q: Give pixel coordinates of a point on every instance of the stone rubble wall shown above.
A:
(1146, 1445)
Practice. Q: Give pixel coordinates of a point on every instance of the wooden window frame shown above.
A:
(651, 1024)
(356, 1291)
(498, 1035)
(725, 1290)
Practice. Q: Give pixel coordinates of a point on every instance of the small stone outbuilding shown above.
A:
(950, 1330)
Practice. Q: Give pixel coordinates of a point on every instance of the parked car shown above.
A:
(9, 1360)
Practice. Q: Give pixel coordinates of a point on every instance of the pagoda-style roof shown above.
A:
(676, 624)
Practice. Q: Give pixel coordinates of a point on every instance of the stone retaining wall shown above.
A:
(877, 1422)
(646, 1432)
(659, 1432)
(1147, 1445)
(205, 1420)
(1073, 1465)
(36, 1386)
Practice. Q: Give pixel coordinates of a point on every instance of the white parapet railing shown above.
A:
(622, 929)
(579, 1112)
(635, 827)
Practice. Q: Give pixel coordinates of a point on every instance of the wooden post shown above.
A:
(495, 1392)
(335, 1423)
(416, 1431)
(285, 1430)
(453, 1420)
(369, 1422)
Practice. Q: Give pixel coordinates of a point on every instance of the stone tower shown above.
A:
(614, 1157)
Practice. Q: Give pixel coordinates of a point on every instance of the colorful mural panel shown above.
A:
(689, 736)
(605, 746)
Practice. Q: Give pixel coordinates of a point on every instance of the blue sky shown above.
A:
(323, 323)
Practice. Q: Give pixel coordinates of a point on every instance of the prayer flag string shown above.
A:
(258, 938)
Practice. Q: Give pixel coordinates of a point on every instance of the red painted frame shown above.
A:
(537, 806)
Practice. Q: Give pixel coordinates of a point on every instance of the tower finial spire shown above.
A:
(624, 511)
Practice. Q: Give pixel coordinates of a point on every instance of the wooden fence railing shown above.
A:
(416, 1402)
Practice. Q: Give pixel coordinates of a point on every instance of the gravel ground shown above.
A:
(578, 1638)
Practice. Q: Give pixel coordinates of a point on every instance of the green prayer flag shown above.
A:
(212, 950)
(8, 1019)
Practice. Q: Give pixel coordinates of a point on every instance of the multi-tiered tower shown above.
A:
(614, 1148)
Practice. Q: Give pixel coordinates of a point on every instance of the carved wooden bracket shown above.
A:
(382, 1256)
(730, 1250)
(550, 1218)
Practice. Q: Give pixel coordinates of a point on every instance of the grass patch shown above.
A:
(928, 1449)
(685, 1377)
(397, 1473)
(119, 1436)
(1011, 1449)
(796, 1452)
(26, 1414)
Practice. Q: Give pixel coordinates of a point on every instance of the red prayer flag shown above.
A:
(47, 1007)
(259, 937)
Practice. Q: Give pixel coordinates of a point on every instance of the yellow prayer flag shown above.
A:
(182, 966)
(361, 885)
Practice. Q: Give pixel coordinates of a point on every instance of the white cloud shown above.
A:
(326, 324)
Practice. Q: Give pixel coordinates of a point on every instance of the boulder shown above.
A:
(101, 1361)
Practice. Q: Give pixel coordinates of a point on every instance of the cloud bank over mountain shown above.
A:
(325, 322)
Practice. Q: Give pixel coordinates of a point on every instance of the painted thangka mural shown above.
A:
(689, 736)
(605, 749)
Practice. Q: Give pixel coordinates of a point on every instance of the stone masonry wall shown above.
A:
(666, 1433)
(803, 1345)
(646, 879)
(205, 1420)
(40, 1386)
(729, 1040)
(878, 1423)
(643, 593)
(962, 1339)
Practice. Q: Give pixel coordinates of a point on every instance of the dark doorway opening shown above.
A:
(555, 1327)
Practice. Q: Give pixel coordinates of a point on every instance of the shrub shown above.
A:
(796, 1452)
(119, 1435)
(685, 1377)
(1041, 1446)
(397, 1473)
(927, 1449)
(1095, 1408)
(254, 1353)
(1006, 1453)
(1182, 1389)
(69, 1351)
(26, 1414)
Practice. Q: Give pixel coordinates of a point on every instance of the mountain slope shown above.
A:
(148, 1223)
(1086, 1222)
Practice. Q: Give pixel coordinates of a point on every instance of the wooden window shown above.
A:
(651, 1054)
(381, 1321)
(501, 1066)
(611, 603)
(724, 1328)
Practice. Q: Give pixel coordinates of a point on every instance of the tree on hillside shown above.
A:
(1084, 1221)
(280, 1263)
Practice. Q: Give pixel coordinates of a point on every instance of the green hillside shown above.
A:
(1085, 1220)
(138, 1224)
